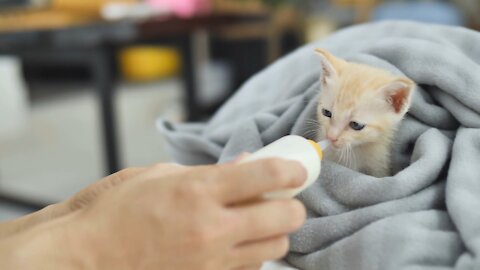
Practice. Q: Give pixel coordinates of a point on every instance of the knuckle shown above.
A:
(231, 222)
(127, 171)
(204, 234)
(299, 173)
(157, 170)
(160, 169)
(78, 202)
(158, 166)
(244, 222)
(210, 175)
(119, 177)
(200, 237)
(275, 169)
(224, 225)
(189, 189)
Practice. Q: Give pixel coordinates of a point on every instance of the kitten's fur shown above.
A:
(368, 96)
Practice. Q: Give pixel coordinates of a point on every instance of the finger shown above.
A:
(269, 218)
(242, 182)
(250, 267)
(261, 251)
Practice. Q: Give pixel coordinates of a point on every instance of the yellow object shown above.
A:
(235, 6)
(356, 3)
(85, 6)
(317, 148)
(40, 20)
(146, 63)
(59, 14)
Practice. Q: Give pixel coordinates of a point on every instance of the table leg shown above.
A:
(188, 73)
(104, 85)
(23, 202)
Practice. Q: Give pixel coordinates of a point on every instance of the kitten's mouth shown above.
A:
(338, 146)
(335, 145)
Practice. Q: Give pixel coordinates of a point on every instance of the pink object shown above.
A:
(182, 8)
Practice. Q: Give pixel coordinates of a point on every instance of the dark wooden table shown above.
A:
(94, 46)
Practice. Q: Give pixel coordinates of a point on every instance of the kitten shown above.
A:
(359, 110)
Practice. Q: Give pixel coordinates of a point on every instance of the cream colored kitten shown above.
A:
(359, 109)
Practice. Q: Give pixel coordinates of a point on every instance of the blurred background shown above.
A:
(82, 82)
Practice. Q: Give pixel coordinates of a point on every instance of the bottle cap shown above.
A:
(318, 148)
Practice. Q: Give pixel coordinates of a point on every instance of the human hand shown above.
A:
(88, 195)
(80, 200)
(196, 218)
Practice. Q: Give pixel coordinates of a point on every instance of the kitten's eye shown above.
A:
(327, 113)
(356, 126)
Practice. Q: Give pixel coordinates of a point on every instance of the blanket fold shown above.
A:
(426, 215)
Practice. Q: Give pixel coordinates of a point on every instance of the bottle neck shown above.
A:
(317, 148)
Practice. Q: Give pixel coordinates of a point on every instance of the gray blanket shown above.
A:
(426, 216)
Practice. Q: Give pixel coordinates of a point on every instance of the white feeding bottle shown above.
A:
(293, 147)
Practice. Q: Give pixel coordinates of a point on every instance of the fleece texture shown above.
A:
(425, 216)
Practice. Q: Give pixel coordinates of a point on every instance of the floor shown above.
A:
(60, 150)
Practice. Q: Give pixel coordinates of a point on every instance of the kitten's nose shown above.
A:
(331, 138)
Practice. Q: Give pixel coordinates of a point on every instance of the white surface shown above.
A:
(277, 265)
(119, 11)
(291, 147)
(13, 99)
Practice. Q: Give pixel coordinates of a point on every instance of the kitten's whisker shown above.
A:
(343, 156)
(347, 157)
(312, 128)
(312, 133)
(315, 121)
(354, 157)
(350, 157)
(347, 160)
(338, 155)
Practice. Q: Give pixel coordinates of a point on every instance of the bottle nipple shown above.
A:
(324, 144)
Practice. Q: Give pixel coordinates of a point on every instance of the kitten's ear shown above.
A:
(399, 94)
(328, 64)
